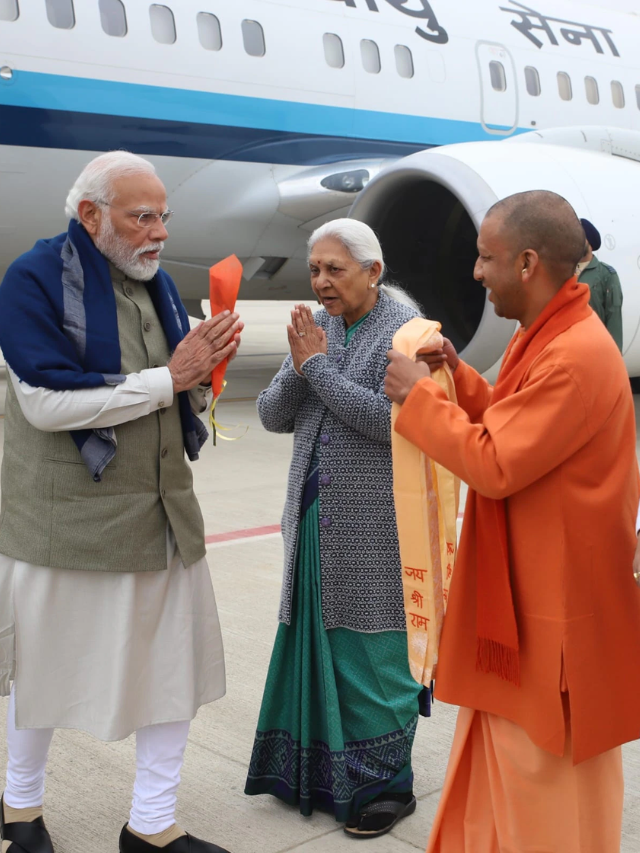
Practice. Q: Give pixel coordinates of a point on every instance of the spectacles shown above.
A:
(145, 220)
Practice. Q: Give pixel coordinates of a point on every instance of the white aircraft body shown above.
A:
(265, 118)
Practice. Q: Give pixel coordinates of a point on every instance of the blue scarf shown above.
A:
(59, 330)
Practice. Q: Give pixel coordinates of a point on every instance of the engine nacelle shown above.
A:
(427, 208)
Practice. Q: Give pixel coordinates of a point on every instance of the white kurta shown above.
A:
(107, 652)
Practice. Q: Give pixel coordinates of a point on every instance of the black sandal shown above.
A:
(26, 837)
(395, 809)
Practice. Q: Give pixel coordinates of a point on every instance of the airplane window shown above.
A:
(61, 14)
(253, 37)
(209, 31)
(532, 79)
(591, 88)
(333, 50)
(370, 56)
(617, 93)
(113, 17)
(404, 61)
(163, 24)
(564, 86)
(498, 76)
(9, 10)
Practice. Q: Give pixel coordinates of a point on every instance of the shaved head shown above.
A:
(545, 223)
(528, 247)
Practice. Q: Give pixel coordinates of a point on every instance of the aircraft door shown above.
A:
(498, 88)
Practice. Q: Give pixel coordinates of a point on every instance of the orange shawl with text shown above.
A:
(426, 500)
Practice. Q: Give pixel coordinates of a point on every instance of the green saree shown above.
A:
(340, 707)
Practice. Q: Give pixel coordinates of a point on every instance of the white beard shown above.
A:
(122, 256)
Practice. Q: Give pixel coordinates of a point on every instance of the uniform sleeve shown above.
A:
(592, 276)
(519, 439)
(613, 308)
(95, 408)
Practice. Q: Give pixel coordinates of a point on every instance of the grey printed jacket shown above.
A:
(339, 407)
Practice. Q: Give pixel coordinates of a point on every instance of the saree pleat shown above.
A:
(340, 707)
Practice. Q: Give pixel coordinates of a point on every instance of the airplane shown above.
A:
(265, 118)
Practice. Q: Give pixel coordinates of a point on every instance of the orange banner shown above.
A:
(224, 284)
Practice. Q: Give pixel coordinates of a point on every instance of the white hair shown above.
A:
(95, 182)
(364, 247)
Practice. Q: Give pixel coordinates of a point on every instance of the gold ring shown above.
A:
(636, 575)
(301, 334)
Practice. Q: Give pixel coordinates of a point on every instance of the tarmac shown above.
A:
(241, 487)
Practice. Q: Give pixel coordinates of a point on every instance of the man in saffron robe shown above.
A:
(541, 642)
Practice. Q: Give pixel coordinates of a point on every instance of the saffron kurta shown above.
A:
(562, 451)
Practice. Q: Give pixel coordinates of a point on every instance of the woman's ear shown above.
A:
(375, 271)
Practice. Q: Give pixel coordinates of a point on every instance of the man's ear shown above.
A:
(529, 264)
(90, 216)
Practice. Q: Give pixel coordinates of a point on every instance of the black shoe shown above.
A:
(28, 837)
(130, 843)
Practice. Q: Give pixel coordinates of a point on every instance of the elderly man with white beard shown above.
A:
(108, 621)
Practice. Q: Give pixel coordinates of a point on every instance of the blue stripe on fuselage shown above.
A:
(28, 126)
(54, 111)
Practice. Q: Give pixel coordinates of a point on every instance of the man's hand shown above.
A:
(636, 563)
(402, 375)
(203, 349)
(438, 357)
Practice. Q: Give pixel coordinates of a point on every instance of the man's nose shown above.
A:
(158, 232)
(477, 270)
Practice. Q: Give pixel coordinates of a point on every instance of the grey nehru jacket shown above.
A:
(53, 513)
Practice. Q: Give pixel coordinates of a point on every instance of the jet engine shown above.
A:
(427, 209)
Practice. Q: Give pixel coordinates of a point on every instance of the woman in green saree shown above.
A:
(340, 707)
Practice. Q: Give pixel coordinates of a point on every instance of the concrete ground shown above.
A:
(241, 486)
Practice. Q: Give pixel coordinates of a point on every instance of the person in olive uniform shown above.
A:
(603, 281)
